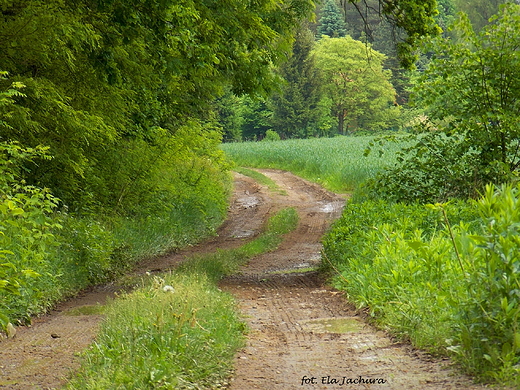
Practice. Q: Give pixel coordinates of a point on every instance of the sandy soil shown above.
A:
(303, 334)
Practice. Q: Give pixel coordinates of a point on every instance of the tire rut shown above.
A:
(300, 330)
(304, 334)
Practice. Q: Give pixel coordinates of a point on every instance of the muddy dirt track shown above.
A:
(302, 334)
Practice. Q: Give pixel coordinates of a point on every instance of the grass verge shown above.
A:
(177, 331)
(444, 277)
(262, 179)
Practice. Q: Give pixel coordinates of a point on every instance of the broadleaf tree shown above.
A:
(355, 83)
(115, 81)
(473, 84)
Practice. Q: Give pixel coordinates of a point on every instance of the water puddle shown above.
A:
(333, 325)
(248, 201)
(243, 233)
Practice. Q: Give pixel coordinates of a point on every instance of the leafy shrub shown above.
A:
(488, 327)
(271, 135)
(27, 233)
(446, 276)
(435, 168)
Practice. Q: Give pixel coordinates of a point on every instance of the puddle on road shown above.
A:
(333, 325)
(247, 202)
(242, 233)
(327, 208)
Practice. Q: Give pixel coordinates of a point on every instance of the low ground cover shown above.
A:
(445, 277)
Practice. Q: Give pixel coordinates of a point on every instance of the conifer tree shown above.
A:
(331, 21)
(295, 108)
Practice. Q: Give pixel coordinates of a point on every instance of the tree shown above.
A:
(471, 136)
(296, 111)
(479, 11)
(331, 22)
(255, 118)
(415, 18)
(473, 84)
(110, 85)
(355, 82)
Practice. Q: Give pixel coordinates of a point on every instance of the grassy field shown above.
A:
(336, 163)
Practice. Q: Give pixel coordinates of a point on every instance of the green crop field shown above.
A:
(337, 163)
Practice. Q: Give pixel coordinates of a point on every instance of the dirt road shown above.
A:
(303, 335)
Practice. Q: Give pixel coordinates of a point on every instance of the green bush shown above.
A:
(488, 327)
(27, 235)
(447, 277)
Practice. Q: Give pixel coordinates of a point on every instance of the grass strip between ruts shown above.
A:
(178, 330)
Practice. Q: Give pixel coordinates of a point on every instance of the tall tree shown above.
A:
(355, 82)
(331, 21)
(479, 11)
(472, 85)
(414, 18)
(296, 111)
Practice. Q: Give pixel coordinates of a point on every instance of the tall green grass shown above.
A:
(337, 163)
(178, 332)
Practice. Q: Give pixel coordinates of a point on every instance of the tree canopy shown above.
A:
(473, 84)
(354, 81)
(331, 21)
(416, 18)
(109, 86)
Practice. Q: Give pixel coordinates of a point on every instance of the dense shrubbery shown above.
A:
(48, 254)
(445, 276)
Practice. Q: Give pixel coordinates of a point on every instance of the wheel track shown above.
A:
(284, 344)
(300, 328)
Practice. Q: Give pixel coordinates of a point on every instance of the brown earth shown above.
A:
(303, 334)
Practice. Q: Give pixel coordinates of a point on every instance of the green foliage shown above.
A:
(337, 163)
(296, 108)
(444, 276)
(271, 135)
(355, 82)
(179, 330)
(472, 84)
(434, 167)
(415, 17)
(256, 118)
(479, 11)
(118, 95)
(488, 332)
(27, 229)
(470, 137)
(113, 75)
(331, 21)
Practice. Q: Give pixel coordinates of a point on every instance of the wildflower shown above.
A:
(168, 289)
